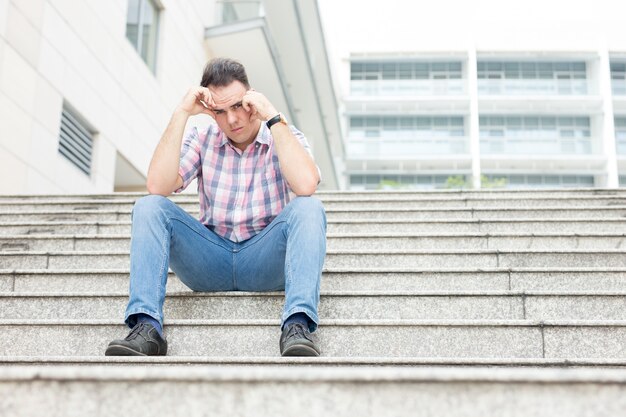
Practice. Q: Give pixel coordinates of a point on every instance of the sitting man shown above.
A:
(259, 229)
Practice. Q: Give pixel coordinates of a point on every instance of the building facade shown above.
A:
(480, 93)
(87, 87)
(478, 118)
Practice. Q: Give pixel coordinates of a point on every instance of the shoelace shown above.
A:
(297, 330)
(135, 331)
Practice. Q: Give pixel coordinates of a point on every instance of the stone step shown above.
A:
(347, 362)
(350, 195)
(383, 226)
(353, 213)
(372, 279)
(274, 391)
(407, 201)
(351, 241)
(403, 204)
(375, 305)
(390, 338)
(354, 259)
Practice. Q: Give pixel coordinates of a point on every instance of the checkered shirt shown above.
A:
(240, 192)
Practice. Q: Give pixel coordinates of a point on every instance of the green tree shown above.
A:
(458, 181)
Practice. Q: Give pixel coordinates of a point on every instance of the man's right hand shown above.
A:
(192, 103)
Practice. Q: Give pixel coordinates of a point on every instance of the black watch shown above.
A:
(279, 118)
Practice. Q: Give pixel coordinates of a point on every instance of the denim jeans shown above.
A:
(287, 255)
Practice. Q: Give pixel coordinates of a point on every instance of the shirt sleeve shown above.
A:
(190, 166)
(305, 144)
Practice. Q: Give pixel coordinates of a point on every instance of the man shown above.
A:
(259, 229)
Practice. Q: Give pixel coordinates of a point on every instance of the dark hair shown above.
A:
(220, 72)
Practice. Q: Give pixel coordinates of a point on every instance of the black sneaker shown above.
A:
(143, 340)
(296, 340)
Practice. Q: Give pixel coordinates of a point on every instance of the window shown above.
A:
(236, 10)
(535, 126)
(620, 135)
(535, 134)
(532, 70)
(618, 77)
(620, 127)
(142, 26)
(542, 181)
(405, 70)
(75, 140)
(406, 181)
(413, 126)
(528, 77)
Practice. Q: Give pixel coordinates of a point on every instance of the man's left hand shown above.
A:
(258, 105)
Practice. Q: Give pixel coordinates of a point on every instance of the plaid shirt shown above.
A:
(240, 192)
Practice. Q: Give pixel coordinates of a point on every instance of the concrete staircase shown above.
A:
(434, 303)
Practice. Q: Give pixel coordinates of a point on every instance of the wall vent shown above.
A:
(75, 141)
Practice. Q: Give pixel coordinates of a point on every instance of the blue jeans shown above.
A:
(287, 255)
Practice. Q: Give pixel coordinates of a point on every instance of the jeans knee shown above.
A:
(149, 206)
(309, 208)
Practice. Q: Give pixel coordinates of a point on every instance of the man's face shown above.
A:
(230, 115)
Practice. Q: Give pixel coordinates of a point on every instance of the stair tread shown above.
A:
(318, 373)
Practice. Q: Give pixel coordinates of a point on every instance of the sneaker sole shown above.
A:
(122, 351)
(300, 350)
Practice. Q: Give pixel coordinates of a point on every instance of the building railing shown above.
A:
(401, 148)
(537, 146)
(532, 87)
(407, 87)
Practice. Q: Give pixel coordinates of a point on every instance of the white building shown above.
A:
(440, 94)
(87, 87)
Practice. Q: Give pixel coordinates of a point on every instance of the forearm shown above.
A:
(163, 175)
(296, 164)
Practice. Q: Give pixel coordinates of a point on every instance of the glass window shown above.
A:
(390, 123)
(549, 122)
(552, 180)
(142, 26)
(356, 179)
(389, 72)
(356, 122)
(371, 67)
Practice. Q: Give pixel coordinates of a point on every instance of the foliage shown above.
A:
(458, 181)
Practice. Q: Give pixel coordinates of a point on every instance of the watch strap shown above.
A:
(276, 119)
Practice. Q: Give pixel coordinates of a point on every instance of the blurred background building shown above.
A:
(87, 87)
(442, 94)
(481, 93)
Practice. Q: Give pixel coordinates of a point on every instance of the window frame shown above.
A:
(156, 5)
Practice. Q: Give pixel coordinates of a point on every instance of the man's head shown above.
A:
(220, 72)
(228, 83)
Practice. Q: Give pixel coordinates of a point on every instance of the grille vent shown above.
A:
(75, 141)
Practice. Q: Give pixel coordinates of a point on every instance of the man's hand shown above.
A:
(197, 100)
(258, 106)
